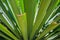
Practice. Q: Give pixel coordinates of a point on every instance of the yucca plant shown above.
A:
(29, 19)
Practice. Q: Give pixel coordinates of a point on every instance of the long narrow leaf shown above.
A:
(23, 25)
(5, 30)
(29, 9)
(51, 7)
(50, 27)
(4, 36)
(42, 11)
(20, 5)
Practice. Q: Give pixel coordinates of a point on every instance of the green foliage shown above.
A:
(29, 19)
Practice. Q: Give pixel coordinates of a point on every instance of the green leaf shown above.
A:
(49, 11)
(10, 16)
(55, 35)
(52, 26)
(4, 36)
(14, 9)
(11, 25)
(7, 10)
(13, 6)
(57, 10)
(23, 25)
(20, 5)
(5, 30)
(57, 18)
(51, 34)
(41, 13)
(29, 9)
(3, 19)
